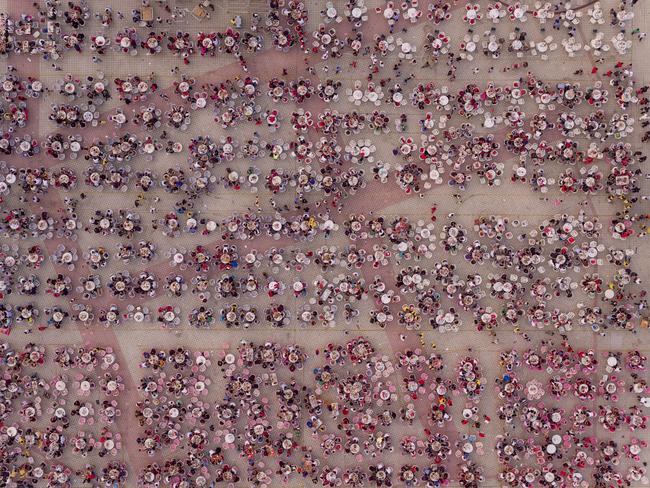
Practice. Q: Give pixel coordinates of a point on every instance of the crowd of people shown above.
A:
(340, 175)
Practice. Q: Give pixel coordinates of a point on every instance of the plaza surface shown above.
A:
(516, 202)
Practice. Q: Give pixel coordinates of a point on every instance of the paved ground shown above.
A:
(514, 202)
